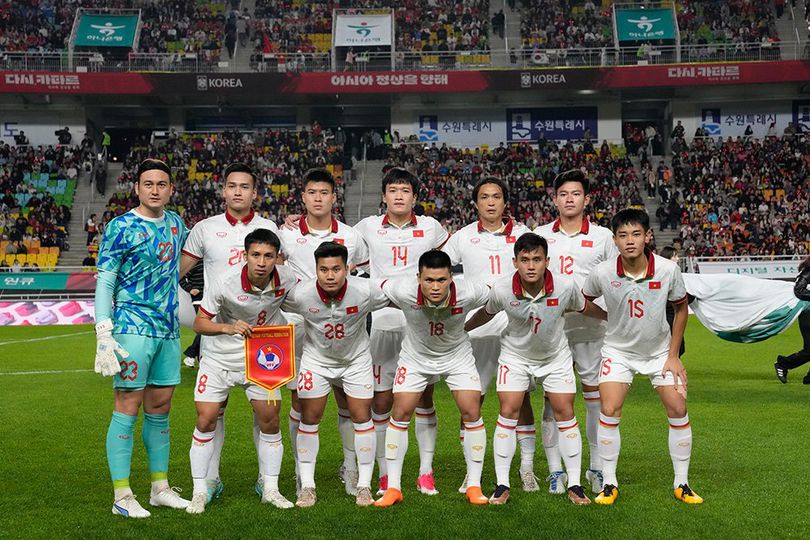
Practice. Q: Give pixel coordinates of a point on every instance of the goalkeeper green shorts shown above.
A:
(151, 362)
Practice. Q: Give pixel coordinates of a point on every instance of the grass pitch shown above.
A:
(749, 462)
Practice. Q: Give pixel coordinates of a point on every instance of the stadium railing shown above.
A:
(517, 58)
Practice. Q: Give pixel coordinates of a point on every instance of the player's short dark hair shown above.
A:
(152, 164)
(400, 175)
(239, 167)
(668, 252)
(262, 236)
(318, 175)
(494, 181)
(573, 175)
(331, 249)
(434, 258)
(529, 242)
(630, 216)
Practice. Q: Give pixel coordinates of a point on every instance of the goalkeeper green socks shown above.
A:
(156, 441)
(119, 448)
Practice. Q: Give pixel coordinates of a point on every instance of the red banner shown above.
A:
(270, 356)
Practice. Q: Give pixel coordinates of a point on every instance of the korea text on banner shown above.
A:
(362, 30)
(106, 30)
(270, 356)
(645, 24)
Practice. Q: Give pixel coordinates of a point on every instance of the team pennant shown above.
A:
(270, 356)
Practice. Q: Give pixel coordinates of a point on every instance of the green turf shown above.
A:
(750, 460)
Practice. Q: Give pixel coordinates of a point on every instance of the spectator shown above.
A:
(91, 228)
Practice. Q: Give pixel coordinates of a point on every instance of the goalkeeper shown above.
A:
(138, 333)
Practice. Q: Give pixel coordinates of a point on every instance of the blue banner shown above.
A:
(554, 123)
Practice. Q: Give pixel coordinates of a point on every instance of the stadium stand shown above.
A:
(559, 24)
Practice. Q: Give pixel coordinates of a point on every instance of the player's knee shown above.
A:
(611, 409)
(676, 410)
(471, 415)
(383, 402)
(206, 424)
(509, 410)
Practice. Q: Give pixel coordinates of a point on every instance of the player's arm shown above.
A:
(480, 318)
(111, 253)
(192, 251)
(206, 326)
(673, 363)
(594, 311)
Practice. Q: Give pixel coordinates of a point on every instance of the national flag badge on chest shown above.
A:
(351, 310)
(457, 311)
(587, 243)
(511, 239)
(418, 233)
(552, 302)
(174, 230)
(655, 285)
(339, 241)
(279, 293)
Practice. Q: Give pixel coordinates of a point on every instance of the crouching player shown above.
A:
(242, 298)
(636, 288)
(336, 353)
(534, 347)
(435, 346)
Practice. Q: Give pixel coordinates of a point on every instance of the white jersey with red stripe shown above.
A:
(485, 255)
(637, 323)
(434, 335)
(219, 241)
(575, 256)
(233, 298)
(336, 333)
(299, 245)
(395, 251)
(536, 330)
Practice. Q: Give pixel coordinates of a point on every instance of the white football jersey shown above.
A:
(299, 245)
(434, 335)
(576, 256)
(233, 298)
(394, 251)
(637, 322)
(536, 330)
(336, 326)
(485, 255)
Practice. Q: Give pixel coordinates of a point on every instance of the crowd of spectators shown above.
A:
(279, 158)
(737, 22)
(183, 26)
(739, 196)
(449, 175)
(565, 24)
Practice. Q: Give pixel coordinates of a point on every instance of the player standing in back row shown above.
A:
(396, 241)
(575, 247)
(138, 333)
(636, 287)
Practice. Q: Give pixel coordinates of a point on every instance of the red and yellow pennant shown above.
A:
(270, 356)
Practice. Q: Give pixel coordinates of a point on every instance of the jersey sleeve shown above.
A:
(576, 300)
(360, 251)
(181, 227)
(114, 247)
(479, 295)
(440, 233)
(677, 290)
(212, 299)
(393, 290)
(611, 251)
(360, 229)
(195, 245)
(592, 287)
(291, 303)
(494, 303)
(452, 249)
(377, 297)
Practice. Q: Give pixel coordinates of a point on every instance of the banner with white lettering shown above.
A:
(468, 127)
(557, 123)
(732, 120)
(760, 269)
(362, 30)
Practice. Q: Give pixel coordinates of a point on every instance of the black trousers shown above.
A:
(803, 356)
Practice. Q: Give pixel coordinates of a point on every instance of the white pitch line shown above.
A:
(44, 372)
(31, 340)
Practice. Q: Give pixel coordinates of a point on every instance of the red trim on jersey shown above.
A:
(507, 228)
(212, 315)
(440, 246)
(682, 300)
(247, 286)
(184, 252)
(517, 284)
(386, 221)
(245, 220)
(326, 299)
(650, 265)
(420, 298)
(584, 228)
(304, 228)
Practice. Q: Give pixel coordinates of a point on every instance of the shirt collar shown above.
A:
(247, 286)
(421, 300)
(326, 299)
(506, 230)
(245, 220)
(548, 284)
(305, 230)
(650, 265)
(385, 220)
(586, 226)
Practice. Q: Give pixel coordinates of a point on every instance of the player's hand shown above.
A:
(675, 366)
(108, 350)
(291, 223)
(239, 328)
(194, 292)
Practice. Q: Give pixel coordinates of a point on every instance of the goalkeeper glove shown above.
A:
(107, 363)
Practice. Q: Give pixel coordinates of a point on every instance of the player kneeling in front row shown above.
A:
(636, 288)
(534, 347)
(239, 300)
(435, 346)
(336, 354)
